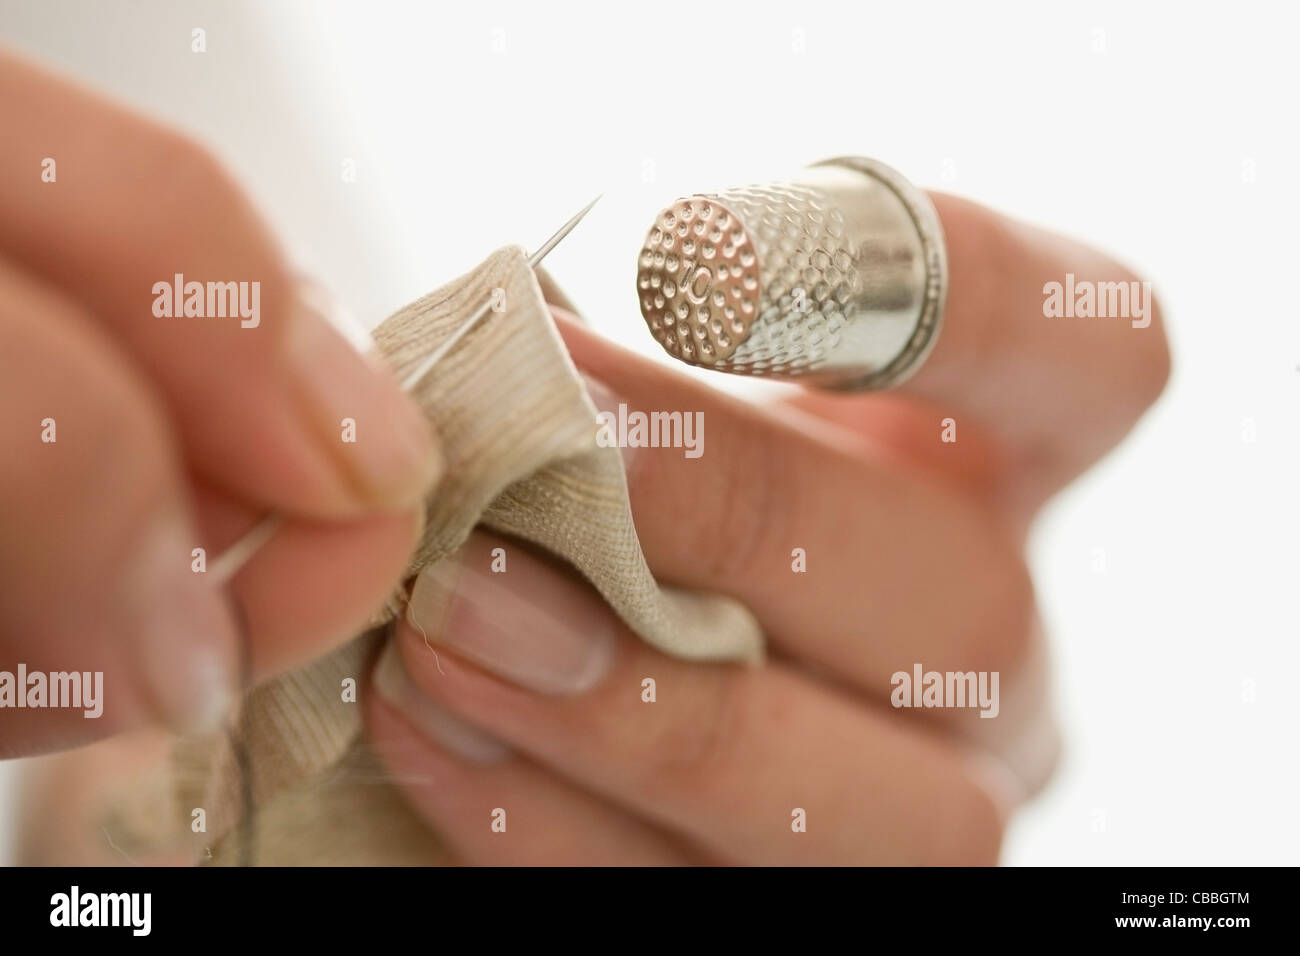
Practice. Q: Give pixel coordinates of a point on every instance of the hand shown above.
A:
(131, 438)
(531, 701)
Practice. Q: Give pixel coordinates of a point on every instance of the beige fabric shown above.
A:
(519, 436)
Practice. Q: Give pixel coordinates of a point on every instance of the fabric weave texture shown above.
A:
(296, 781)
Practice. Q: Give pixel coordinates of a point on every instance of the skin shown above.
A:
(711, 773)
(202, 427)
(172, 433)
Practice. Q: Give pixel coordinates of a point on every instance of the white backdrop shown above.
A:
(1164, 132)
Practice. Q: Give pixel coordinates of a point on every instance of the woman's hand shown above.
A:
(533, 703)
(131, 438)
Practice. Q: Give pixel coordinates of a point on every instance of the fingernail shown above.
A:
(188, 644)
(394, 685)
(377, 436)
(608, 410)
(526, 621)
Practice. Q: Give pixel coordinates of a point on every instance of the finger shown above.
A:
(732, 758)
(314, 584)
(1057, 392)
(98, 538)
(260, 398)
(493, 807)
(914, 432)
(826, 545)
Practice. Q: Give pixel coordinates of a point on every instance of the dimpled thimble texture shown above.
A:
(837, 277)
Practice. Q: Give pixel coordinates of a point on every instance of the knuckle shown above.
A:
(1149, 364)
(1156, 363)
(1004, 636)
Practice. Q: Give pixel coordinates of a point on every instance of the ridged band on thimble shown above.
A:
(836, 277)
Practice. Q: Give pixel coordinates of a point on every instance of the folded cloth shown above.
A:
(295, 782)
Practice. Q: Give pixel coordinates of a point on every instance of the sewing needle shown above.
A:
(430, 361)
(225, 565)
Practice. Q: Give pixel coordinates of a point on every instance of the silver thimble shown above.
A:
(836, 277)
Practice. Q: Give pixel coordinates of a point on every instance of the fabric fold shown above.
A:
(518, 433)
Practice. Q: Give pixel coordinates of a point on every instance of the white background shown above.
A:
(1164, 132)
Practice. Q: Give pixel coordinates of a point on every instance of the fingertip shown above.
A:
(375, 438)
(316, 583)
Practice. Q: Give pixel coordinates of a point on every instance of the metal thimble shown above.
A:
(836, 277)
